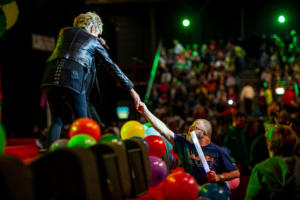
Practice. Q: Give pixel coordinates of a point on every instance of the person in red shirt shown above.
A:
(289, 99)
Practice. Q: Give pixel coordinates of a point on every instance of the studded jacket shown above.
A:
(72, 59)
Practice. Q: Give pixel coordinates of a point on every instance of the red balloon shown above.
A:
(156, 144)
(85, 126)
(174, 154)
(180, 185)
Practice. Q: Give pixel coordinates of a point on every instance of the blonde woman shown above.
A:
(69, 66)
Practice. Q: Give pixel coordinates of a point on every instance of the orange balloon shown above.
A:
(85, 126)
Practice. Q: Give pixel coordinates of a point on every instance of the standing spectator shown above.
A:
(278, 176)
(247, 95)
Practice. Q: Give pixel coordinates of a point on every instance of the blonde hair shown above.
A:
(86, 20)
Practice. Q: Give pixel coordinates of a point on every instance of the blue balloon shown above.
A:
(145, 127)
(214, 191)
(141, 139)
(151, 131)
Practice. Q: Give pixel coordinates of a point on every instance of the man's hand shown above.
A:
(142, 108)
(136, 98)
(211, 176)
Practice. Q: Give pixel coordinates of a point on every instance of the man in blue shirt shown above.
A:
(221, 166)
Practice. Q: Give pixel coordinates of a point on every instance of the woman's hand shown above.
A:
(102, 41)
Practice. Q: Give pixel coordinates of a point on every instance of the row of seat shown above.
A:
(104, 171)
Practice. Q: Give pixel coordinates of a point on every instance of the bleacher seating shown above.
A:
(66, 174)
(113, 169)
(139, 166)
(15, 179)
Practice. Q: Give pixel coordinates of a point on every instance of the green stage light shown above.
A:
(186, 22)
(281, 19)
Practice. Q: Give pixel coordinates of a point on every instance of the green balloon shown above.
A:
(148, 124)
(2, 139)
(110, 138)
(81, 140)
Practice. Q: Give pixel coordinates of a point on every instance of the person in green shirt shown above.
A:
(277, 177)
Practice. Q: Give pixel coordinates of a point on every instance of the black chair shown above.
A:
(67, 174)
(139, 166)
(114, 171)
(15, 179)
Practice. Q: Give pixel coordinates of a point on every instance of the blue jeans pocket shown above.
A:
(75, 74)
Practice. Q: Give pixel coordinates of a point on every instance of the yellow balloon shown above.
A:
(132, 128)
(11, 12)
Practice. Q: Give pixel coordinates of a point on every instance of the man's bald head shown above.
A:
(202, 124)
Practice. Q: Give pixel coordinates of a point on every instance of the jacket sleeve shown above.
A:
(113, 68)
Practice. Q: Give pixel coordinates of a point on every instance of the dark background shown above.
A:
(132, 30)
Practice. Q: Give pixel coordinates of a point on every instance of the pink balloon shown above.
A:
(234, 183)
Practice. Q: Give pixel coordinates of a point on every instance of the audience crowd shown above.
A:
(205, 81)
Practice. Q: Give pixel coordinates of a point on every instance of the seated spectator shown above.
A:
(289, 99)
(235, 141)
(178, 48)
(232, 96)
(277, 177)
(266, 75)
(230, 81)
(258, 150)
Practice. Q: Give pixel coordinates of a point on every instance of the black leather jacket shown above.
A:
(77, 45)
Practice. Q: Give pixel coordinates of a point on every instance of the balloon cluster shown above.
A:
(86, 132)
(8, 15)
(155, 145)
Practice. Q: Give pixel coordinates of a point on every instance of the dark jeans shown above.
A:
(58, 98)
(92, 113)
(248, 106)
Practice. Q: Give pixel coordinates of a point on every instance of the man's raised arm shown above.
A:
(156, 123)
